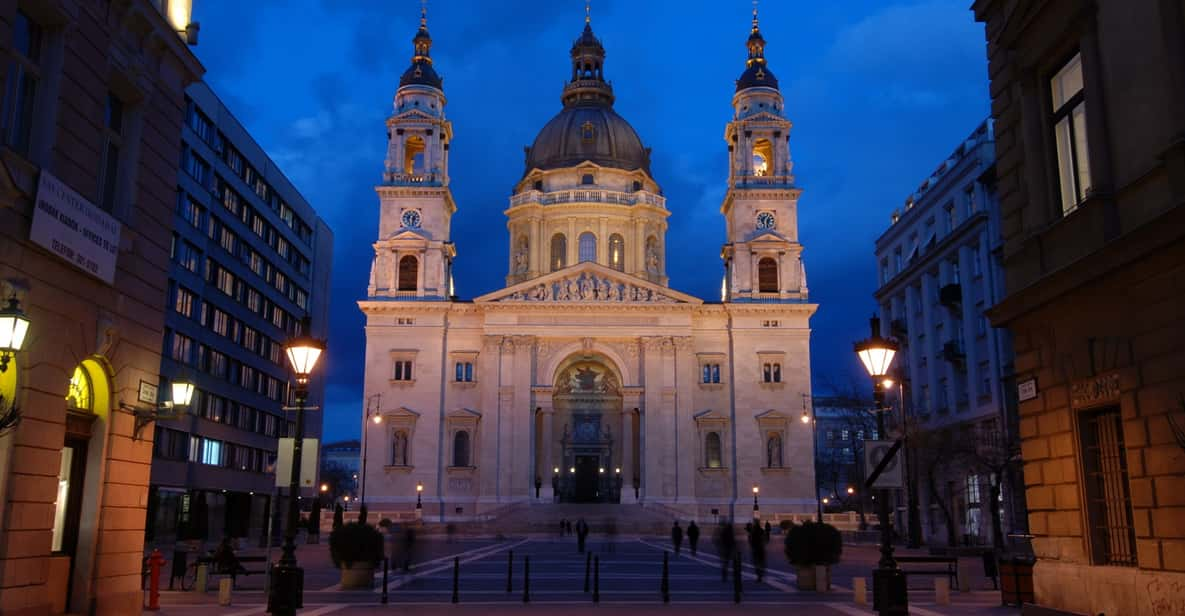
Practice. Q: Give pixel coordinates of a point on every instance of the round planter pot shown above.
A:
(806, 578)
(358, 576)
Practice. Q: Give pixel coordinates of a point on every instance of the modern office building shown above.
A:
(90, 132)
(249, 259)
(341, 467)
(939, 271)
(1091, 158)
(842, 424)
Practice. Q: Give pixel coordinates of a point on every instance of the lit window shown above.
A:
(1069, 119)
(617, 252)
(713, 451)
(78, 395)
(559, 252)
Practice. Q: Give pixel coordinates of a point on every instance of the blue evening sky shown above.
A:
(879, 91)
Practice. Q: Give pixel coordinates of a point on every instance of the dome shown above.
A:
(588, 133)
(756, 76)
(421, 73)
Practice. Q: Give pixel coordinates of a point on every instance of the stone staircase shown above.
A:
(545, 518)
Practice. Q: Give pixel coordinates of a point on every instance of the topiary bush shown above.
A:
(813, 543)
(355, 543)
(785, 525)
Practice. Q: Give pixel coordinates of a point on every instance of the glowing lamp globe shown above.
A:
(182, 393)
(303, 353)
(876, 353)
(13, 327)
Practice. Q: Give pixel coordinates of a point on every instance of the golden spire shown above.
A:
(754, 15)
(424, 13)
(587, 11)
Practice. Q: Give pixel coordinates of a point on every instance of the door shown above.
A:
(586, 479)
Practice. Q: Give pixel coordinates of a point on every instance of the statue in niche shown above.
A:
(521, 258)
(587, 289)
(652, 256)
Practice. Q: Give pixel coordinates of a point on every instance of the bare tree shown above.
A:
(938, 454)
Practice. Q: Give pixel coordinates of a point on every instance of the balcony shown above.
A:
(953, 353)
(951, 295)
(412, 179)
(588, 196)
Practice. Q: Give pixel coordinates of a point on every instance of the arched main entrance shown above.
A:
(587, 402)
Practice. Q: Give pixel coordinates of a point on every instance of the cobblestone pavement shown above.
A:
(629, 581)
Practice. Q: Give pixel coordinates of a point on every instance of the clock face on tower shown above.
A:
(765, 220)
(411, 219)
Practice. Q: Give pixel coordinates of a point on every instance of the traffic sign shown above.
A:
(882, 465)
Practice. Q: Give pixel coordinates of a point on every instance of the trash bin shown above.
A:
(1016, 580)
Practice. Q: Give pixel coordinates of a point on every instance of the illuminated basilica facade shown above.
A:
(587, 378)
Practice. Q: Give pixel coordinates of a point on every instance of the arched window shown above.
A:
(652, 259)
(399, 449)
(559, 252)
(78, 394)
(413, 155)
(773, 451)
(588, 247)
(461, 448)
(713, 452)
(763, 157)
(409, 270)
(617, 252)
(767, 275)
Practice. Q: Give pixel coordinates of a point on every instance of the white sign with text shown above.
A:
(75, 229)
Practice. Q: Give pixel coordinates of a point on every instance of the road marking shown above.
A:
(250, 612)
(747, 570)
(379, 572)
(922, 611)
(393, 584)
(852, 610)
(323, 610)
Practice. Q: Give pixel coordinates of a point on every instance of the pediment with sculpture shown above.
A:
(588, 283)
(587, 378)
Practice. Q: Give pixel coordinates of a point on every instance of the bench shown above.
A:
(243, 561)
(951, 569)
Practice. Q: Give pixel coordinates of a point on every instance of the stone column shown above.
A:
(534, 267)
(573, 242)
(547, 494)
(627, 454)
(603, 241)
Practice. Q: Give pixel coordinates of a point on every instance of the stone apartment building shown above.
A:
(1090, 140)
(92, 109)
(939, 271)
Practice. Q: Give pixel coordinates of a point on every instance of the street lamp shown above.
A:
(182, 391)
(888, 582)
(756, 509)
(851, 490)
(13, 327)
(287, 588)
(419, 495)
(372, 415)
(806, 419)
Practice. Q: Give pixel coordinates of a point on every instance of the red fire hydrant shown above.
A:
(155, 562)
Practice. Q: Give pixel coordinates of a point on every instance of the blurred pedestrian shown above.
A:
(568, 527)
(692, 536)
(677, 537)
(769, 530)
(409, 546)
(581, 534)
(726, 544)
(757, 548)
(563, 526)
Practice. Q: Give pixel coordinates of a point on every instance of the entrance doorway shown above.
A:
(586, 479)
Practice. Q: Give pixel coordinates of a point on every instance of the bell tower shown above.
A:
(762, 256)
(413, 254)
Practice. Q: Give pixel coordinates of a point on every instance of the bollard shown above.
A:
(456, 578)
(597, 579)
(386, 565)
(509, 571)
(665, 588)
(155, 563)
(224, 587)
(526, 579)
(860, 590)
(736, 578)
(942, 591)
(587, 566)
(202, 578)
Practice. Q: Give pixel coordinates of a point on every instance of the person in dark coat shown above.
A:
(769, 530)
(692, 536)
(581, 534)
(563, 526)
(757, 548)
(726, 545)
(677, 537)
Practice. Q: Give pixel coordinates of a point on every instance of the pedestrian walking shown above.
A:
(568, 527)
(692, 536)
(581, 534)
(757, 548)
(563, 526)
(726, 544)
(769, 530)
(677, 537)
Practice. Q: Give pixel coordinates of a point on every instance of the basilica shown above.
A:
(587, 378)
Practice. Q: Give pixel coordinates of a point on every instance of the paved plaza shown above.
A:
(630, 580)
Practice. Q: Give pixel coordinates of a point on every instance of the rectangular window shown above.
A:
(949, 213)
(1108, 503)
(113, 123)
(230, 199)
(250, 339)
(711, 373)
(402, 370)
(183, 301)
(191, 211)
(200, 123)
(985, 383)
(225, 281)
(20, 87)
(182, 348)
(254, 301)
(197, 168)
(771, 373)
(227, 239)
(1069, 127)
(464, 372)
(969, 203)
(217, 364)
(234, 160)
(211, 452)
(220, 322)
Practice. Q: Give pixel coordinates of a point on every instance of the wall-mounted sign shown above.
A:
(73, 228)
(1026, 390)
(308, 462)
(148, 392)
(882, 465)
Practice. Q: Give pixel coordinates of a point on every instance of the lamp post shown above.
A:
(372, 415)
(809, 420)
(13, 327)
(287, 589)
(888, 582)
(419, 498)
(756, 508)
